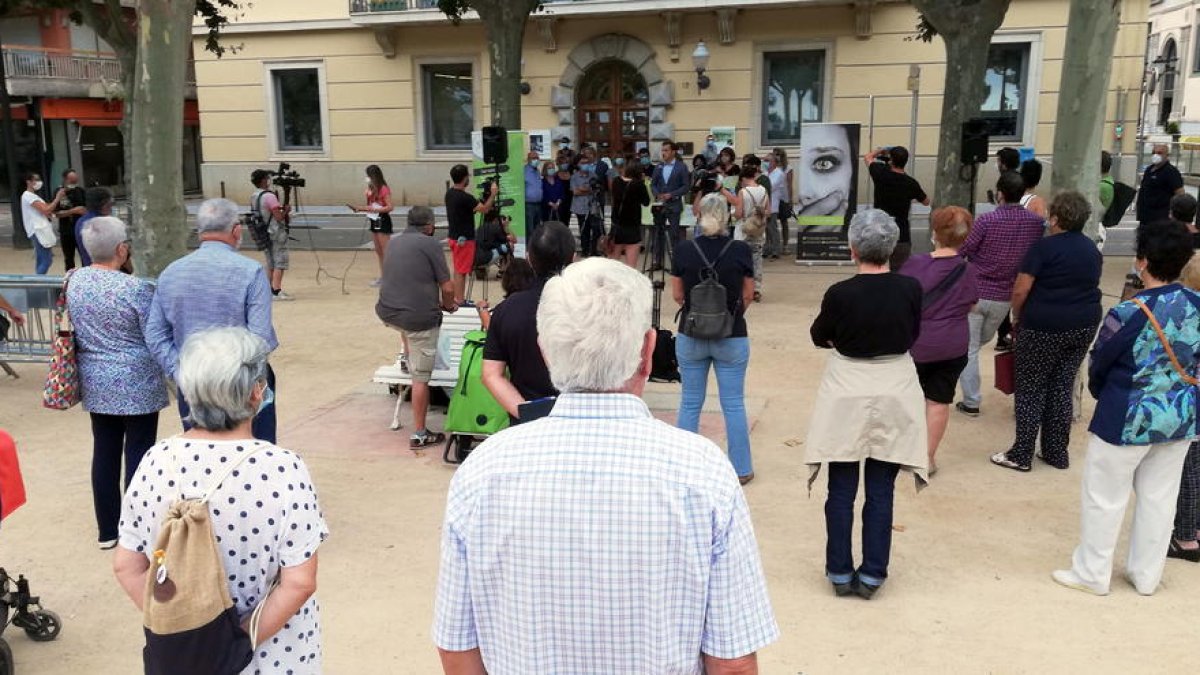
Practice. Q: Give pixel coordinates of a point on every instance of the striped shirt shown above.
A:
(998, 242)
(213, 287)
(599, 540)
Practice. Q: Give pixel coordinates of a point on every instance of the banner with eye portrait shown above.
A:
(828, 190)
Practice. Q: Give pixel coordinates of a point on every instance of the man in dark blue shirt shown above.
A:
(1160, 182)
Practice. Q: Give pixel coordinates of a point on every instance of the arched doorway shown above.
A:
(613, 108)
(1166, 101)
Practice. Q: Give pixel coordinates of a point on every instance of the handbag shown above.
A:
(62, 383)
(1006, 372)
(1162, 337)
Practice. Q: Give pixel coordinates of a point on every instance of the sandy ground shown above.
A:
(970, 590)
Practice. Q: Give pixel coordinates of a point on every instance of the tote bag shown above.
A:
(62, 383)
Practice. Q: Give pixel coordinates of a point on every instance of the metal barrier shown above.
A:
(35, 297)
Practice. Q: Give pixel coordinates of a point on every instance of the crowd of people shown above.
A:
(589, 493)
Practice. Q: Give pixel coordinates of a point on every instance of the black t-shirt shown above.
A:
(513, 339)
(894, 193)
(1066, 290)
(460, 213)
(75, 197)
(1155, 192)
(870, 315)
(732, 271)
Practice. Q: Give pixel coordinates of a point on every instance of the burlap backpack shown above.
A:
(191, 623)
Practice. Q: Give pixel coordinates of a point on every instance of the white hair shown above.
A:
(216, 215)
(218, 370)
(714, 215)
(592, 322)
(101, 237)
(873, 236)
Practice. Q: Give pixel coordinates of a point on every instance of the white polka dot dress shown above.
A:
(265, 516)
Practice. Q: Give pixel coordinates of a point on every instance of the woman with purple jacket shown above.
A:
(950, 290)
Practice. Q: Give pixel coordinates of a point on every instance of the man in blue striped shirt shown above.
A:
(212, 287)
(598, 539)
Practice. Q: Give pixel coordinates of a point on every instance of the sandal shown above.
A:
(1177, 551)
(425, 440)
(1001, 459)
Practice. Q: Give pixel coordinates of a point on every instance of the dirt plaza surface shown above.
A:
(969, 591)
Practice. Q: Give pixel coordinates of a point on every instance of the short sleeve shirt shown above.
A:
(732, 271)
(414, 268)
(1066, 290)
(895, 193)
(29, 213)
(460, 213)
(265, 516)
(512, 339)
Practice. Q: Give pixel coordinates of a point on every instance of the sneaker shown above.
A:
(864, 590)
(404, 364)
(376, 283)
(282, 297)
(966, 409)
(1132, 582)
(1069, 579)
(107, 544)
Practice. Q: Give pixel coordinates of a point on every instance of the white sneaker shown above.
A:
(1069, 579)
(282, 296)
(108, 544)
(1133, 582)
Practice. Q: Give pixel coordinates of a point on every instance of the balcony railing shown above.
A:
(368, 6)
(37, 63)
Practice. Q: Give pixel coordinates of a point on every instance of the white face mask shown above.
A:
(367, 180)
(1156, 159)
(37, 185)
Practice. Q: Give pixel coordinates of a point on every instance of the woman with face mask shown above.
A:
(552, 193)
(379, 213)
(36, 214)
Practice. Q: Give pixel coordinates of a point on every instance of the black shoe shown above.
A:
(1174, 551)
(1004, 345)
(843, 590)
(865, 591)
(966, 409)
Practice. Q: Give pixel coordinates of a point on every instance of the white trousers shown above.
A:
(1110, 472)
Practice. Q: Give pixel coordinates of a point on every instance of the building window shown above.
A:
(298, 109)
(1006, 83)
(449, 105)
(793, 93)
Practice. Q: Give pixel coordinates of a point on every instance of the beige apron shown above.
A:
(869, 408)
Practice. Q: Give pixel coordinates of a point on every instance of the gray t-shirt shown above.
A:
(414, 268)
(581, 204)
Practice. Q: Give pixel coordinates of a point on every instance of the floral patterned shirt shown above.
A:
(117, 373)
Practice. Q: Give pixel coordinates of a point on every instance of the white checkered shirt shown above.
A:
(599, 540)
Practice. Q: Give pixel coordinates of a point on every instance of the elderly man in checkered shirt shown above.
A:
(599, 539)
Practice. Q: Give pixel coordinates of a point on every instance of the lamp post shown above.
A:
(700, 58)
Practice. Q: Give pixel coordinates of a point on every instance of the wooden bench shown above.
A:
(445, 371)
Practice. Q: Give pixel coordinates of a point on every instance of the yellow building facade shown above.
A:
(331, 86)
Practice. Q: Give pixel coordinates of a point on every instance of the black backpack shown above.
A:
(708, 316)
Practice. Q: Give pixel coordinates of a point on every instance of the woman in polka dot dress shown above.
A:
(266, 518)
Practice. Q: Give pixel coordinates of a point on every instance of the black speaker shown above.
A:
(975, 141)
(495, 145)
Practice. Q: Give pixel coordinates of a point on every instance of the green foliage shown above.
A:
(1171, 127)
(455, 9)
(925, 30)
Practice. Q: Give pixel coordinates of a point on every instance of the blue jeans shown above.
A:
(42, 257)
(263, 426)
(876, 519)
(729, 357)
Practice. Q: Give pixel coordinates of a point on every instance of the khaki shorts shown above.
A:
(422, 352)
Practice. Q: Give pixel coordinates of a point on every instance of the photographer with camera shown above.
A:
(265, 203)
(586, 190)
(895, 191)
(461, 207)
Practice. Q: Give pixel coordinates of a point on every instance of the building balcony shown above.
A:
(37, 71)
(384, 12)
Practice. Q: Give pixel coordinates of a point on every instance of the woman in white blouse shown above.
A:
(266, 518)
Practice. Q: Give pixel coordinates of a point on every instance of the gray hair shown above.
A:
(714, 215)
(216, 215)
(873, 236)
(218, 370)
(420, 216)
(592, 321)
(101, 237)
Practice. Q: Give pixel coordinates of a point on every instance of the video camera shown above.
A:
(286, 177)
(884, 155)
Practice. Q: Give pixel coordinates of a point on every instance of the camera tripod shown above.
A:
(660, 255)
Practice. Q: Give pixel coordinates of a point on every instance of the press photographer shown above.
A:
(269, 221)
(895, 191)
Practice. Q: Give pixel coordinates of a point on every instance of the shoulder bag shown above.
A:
(62, 383)
(1162, 337)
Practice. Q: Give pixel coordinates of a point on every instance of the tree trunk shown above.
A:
(966, 28)
(504, 21)
(1087, 63)
(156, 182)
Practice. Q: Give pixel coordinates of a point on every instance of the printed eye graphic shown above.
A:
(826, 164)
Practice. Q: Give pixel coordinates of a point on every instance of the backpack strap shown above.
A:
(711, 266)
(1162, 338)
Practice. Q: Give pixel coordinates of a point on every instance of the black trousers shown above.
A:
(115, 437)
(1047, 365)
(66, 234)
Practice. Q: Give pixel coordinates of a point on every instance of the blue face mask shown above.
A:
(564, 167)
(587, 168)
(645, 161)
(619, 162)
(268, 397)
(533, 164)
